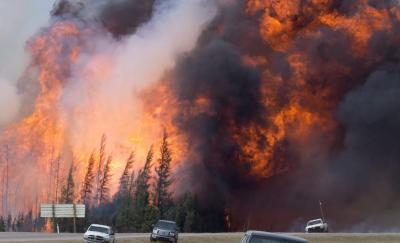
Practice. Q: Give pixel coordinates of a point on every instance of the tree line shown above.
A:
(143, 197)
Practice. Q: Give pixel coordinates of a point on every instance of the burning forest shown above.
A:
(267, 107)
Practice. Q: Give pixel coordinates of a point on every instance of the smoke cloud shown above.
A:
(9, 102)
(15, 31)
(298, 110)
(128, 66)
(87, 71)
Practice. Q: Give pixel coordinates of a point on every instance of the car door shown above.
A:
(112, 235)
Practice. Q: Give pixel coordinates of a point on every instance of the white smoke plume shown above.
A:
(19, 20)
(100, 93)
(128, 66)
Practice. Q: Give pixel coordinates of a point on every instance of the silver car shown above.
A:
(266, 237)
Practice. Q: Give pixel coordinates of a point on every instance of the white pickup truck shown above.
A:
(316, 225)
(99, 233)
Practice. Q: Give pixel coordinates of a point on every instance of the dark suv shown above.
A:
(165, 231)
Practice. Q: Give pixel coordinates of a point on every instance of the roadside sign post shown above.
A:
(74, 218)
(63, 211)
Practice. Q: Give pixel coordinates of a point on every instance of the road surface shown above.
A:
(202, 238)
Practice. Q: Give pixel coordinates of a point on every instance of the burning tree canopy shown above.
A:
(270, 105)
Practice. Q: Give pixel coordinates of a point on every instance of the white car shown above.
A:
(316, 225)
(99, 233)
(266, 237)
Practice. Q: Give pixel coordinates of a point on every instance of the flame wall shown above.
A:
(285, 103)
(271, 105)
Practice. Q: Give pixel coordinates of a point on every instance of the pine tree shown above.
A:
(2, 224)
(163, 180)
(68, 191)
(9, 222)
(143, 211)
(190, 218)
(132, 184)
(28, 222)
(186, 213)
(100, 169)
(142, 181)
(123, 198)
(104, 190)
(19, 222)
(124, 182)
(87, 188)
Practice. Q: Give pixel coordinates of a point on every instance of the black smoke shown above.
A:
(217, 73)
(352, 169)
(119, 17)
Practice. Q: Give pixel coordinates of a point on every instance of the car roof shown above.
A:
(167, 221)
(100, 225)
(279, 236)
(315, 220)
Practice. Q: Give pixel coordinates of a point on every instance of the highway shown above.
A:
(203, 238)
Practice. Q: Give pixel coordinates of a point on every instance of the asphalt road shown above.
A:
(202, 238)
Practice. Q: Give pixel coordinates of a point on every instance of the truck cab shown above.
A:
(316, 225)
(165, 230)
(99, 233)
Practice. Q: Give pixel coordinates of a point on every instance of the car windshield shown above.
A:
(98, 229)
(260, 239)
(244, 239)
(165, 225)
(314, 222)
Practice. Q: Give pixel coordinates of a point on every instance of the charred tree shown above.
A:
(144, 212)
(132, 184)
(124, 182)
(104, 190)
(100, 169)
(163, 180)
(87, 188)
(68, 190)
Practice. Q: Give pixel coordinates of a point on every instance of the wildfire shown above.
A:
(299, 91)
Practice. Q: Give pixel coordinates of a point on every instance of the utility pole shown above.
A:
(7, 179)
(74, 209)
(102, 155)
(55, 223)
(3, 189)
(50, 192)
(57, 177)
(36, 214)
(322, 211)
